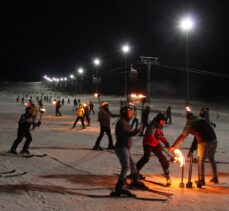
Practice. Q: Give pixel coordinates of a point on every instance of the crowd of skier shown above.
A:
(127, 126)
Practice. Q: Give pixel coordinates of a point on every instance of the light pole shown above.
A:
(187, 24)
(96, 63)
(80, 72)
(125, 50)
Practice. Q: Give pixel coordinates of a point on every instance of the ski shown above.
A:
(8, 172)
(155, 183)
(154, 191)
(124, 197)
(13, 175)
(33, 155)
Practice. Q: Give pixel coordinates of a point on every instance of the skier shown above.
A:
(104, 116)
(145, 119)
(86, 114)
(123, 144)
(201, 129)
(79, 116)
(151, 143)
(74, 104)
(135, 118)
(168, 115)
(58, 105)
(34, 111)
(204, 112)
(25, 123)
(22, 100)
(91, 106)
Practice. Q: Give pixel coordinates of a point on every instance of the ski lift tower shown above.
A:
(146, 60)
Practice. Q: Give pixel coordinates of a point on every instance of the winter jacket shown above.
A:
(104, 116)
(124, 133)
(34, 110)
(198, 127)
(80, 112)
(25, 122)
(153, 135)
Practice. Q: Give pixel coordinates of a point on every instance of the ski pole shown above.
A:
(115, 121)
(198, 183)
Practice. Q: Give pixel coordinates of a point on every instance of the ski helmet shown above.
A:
(161, 116)
(204, 111)
(124, 110)
(104, 104)
(28, 109)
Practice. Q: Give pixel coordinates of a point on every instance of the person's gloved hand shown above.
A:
(190, 154)
(38, 124)
(166, 144)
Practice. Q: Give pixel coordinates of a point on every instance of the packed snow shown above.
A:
(61, 180)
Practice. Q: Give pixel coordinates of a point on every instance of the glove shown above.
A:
(190, 154)
(38, 124)
(166, 144)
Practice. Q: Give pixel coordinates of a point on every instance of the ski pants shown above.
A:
(207, 150)
(20, 135)
(126, 161)
(103, 130)
(157, 150)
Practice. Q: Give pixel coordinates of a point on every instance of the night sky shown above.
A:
(56, 37)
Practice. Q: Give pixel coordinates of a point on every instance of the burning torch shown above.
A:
(178, 158)
(42, 110)
(54, 102)
(97, 95)
(181, 160)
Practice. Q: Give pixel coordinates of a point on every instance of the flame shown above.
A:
(54, 102)
(188, 109)
(42, 109)
(26, 104)
(179, 158)
(96, 94)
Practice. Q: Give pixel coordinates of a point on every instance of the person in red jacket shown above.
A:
(151, 143)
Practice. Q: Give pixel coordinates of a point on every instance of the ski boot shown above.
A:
(214, 180)
(136, 184)
(120, 191)
(168, 180)
(140, 176)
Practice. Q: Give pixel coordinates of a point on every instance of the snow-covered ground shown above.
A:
(55, 182)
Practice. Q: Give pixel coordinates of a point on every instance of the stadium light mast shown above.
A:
(187, 25)
(125, 50)
(97, 63)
